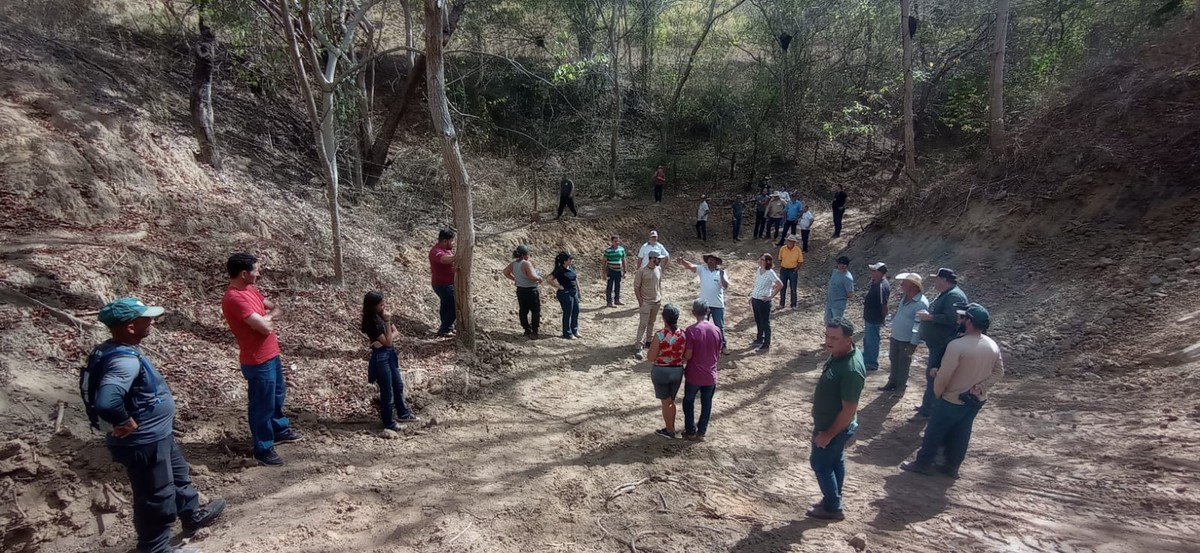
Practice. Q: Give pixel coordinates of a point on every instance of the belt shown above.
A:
(790, 268)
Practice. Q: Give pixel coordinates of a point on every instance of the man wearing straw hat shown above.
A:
(906, 334)
(713, 284)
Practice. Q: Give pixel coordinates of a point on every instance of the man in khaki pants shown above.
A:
(647, 287)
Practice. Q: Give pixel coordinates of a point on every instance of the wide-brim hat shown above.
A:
(913, 278)
(712, 255)
(792, 238)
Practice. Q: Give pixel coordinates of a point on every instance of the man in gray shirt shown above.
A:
(122, 388)
(839, 291)
(906, 335)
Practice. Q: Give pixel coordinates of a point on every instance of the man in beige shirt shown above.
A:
(971, 365)
(647, 287)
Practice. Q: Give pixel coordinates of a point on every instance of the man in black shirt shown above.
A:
(839, 209)
(875, 310)
(737, 208)
(566, 197)
(760, 209)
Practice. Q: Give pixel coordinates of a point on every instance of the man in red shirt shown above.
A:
(441, 268)
(660, 181)
(251, 319)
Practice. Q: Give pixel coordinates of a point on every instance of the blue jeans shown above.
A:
(690, 426)
(936, 352)
(834, 311)
(871, 345)
(612, 292)
(162, 490)
(950, 425)
(385, 371)
(717, 315)
(570, 306)
(789, 277)
(266, 391)
(829, 465)
(446, 310)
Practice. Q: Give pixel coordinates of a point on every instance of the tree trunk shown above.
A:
(327, 150)
(996, 95)
(409, 42)
(201, 94)
(614, 48)
(378, 159)
(460, 184)
(910, 147)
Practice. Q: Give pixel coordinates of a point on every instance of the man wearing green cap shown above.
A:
(122, 388)
(970, 367)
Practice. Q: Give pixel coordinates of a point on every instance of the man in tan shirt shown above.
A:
(971, 365)
(647, 288)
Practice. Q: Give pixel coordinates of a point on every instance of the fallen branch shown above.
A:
(114, 495)
(464, 530)
(631, 544)
(27, 408)
(58, 418)
(12, 296)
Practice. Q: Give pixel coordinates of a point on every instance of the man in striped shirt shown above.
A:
(613, 267)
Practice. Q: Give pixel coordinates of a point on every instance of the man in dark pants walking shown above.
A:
(839, 209)
(760, 211)
(835, 417)
(939, 325)
(441, 269)
(566, 197)
(122, 388)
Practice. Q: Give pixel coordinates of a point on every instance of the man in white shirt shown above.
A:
(702, 219)
(653, 245)
(713, 283)
(806, 220)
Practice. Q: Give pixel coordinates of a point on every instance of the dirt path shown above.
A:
(535, 464)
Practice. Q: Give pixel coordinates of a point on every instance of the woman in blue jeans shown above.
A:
(384, 366)
(563, 279)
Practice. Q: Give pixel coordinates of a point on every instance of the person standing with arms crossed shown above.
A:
(529, 301)
(791, 258)
(647, 288)
(441, 271)
(251, 317)
(563, 279)
(835, 416)
(613, 266)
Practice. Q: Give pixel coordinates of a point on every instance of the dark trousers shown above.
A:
(658, 193)
(162, 490)
(789, 277)
(789, 228)
(773, 225)
(737, 228)
(529, 302)
(760, 224)
(385, 371)
(762, 320)
(570, 307)
(900, 354)
(446, 310)
(837, 221)
(936, 351)
(804, 240)
(950, 425)
(690, 426)
(266, 391)
(829, 465)
(717, 316)
(565, 202)
(702, 230)
(612, 292)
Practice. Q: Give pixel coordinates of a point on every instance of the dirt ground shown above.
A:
(559, 455)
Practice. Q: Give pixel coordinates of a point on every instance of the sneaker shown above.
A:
(394, 427)
(568, 337)
(820, 512)
(445, 333)
(269, 458)
(408, 418)
(288, 436)
(665, 433)
(946, 471)
(204, 516)
(919, 468)
(576, 334)
(694, 437)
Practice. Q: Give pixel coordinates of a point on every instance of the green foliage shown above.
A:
(966, 105)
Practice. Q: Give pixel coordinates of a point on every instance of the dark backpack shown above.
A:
(91, 374)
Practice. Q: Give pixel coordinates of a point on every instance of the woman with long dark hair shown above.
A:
(563, 279)
(384, 367)
(527, 279)
(666, 366)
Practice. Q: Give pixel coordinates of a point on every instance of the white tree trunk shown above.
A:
(997, 138)
(910, 142)
(615, 51)
(460, 183)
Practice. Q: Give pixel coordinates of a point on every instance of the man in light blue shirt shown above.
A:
(906, 335)
(792, 212)
(840, 290)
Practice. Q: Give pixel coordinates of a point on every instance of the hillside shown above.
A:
(1085, 246)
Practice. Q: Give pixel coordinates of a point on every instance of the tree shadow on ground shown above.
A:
(759, 540)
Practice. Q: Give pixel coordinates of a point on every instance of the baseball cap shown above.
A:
(126, 310)
(945, 273)
(843, 260)
(978, 314)
(652, 254)
(878, 267)
(654, 233)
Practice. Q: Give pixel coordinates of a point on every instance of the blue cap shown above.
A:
(126, 310)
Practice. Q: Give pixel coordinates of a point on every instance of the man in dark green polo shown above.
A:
(835, 416)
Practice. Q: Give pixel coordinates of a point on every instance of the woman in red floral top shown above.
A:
(666, 355)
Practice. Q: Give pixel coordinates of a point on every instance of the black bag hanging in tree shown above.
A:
(784, 40)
